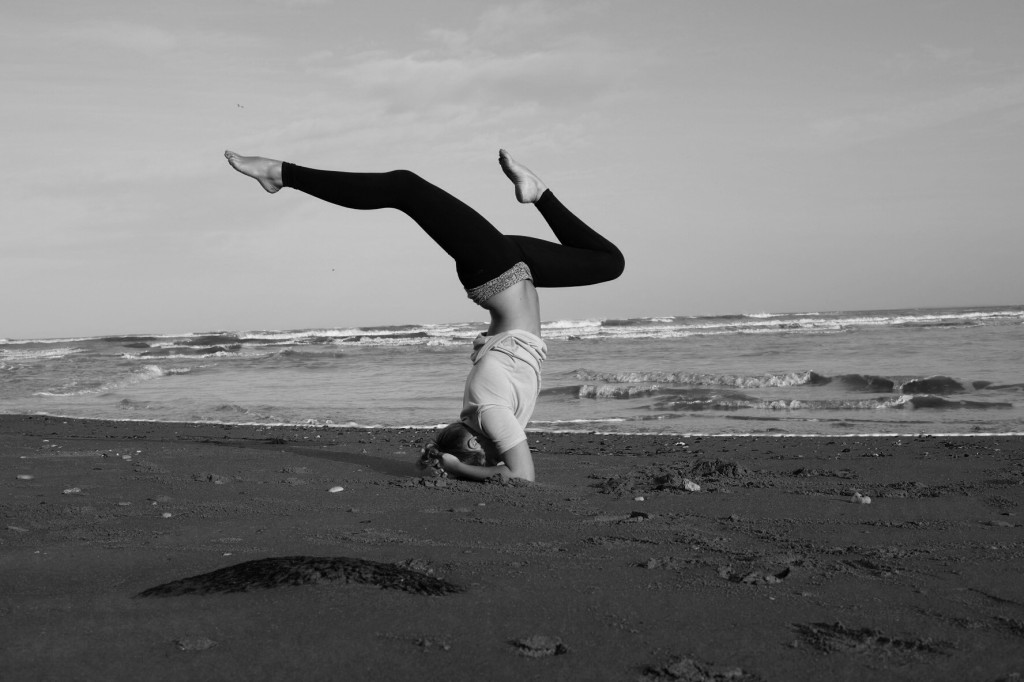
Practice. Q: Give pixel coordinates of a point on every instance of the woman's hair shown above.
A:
(451, 440)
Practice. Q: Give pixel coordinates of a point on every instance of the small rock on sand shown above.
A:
(194, 643)
(538, 646)
(687, 669)
(216, 479)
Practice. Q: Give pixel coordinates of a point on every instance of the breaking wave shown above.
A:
(33, 354)
(900, 402)
(146, 373)
(691, 379)
(640, 382)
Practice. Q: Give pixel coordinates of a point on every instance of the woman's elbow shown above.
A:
(523, 473)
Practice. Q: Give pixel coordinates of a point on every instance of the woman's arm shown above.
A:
(517, 462)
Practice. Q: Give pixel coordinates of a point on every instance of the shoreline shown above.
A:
(530, 430)
(135, 549)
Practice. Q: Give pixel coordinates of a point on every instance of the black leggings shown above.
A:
(481, 253)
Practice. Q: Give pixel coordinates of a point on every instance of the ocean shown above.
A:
(915, 371)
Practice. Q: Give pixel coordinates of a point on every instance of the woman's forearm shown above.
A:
(478, 473)
(517, 462)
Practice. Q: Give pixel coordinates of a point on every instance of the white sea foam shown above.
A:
(194, 356)
(441, 341)
(692, 379)
(617, 391)
(298, 336)
(146, 373)
(750, 321)
(30, 355)
(757, 434)
(554, 422)
(570, 324)
(25, 342)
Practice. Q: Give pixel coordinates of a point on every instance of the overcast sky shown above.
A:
(747, 156)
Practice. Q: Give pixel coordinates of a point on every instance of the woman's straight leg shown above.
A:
(480, 251)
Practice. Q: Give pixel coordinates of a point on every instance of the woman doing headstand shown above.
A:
(499, 272)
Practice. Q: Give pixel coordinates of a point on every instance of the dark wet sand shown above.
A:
(769, 572)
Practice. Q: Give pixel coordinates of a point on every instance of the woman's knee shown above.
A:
(616, 264)
(405, 180)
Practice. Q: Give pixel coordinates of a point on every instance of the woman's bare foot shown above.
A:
(528, 186)
(266, 171)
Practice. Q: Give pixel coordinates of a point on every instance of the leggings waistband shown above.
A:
(517, 273)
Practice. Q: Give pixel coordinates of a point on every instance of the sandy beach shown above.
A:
(159, 551)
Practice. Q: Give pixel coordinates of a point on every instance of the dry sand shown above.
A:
(204, 552)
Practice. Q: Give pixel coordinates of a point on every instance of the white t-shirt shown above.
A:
(502, 388)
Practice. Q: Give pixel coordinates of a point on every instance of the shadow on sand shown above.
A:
(274, 572)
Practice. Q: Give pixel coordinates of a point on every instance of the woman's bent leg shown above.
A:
(583, 257)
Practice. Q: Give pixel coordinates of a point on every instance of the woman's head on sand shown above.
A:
(459, 440)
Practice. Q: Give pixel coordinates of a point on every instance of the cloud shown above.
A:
(315, 57)
(535, 75)
(298, 3)
(928, 58)
(77, 45)
(524, 72)
(533, 51)
(918, 115)
(119, 35)
(509, 71)
(555, 76)
(511, 24)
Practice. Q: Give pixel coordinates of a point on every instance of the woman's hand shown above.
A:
(450, 464)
